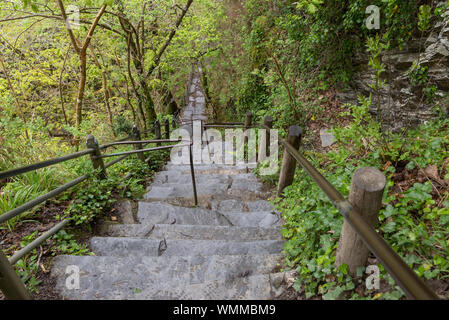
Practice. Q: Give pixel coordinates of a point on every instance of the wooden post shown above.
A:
(267, 121)
(247, 124)
(157, 131)
(366, 193)
(136, 137)
(248, 118)
(173, 123)
(10, 284)
(288, 162)
(97, 162)
(167, 129)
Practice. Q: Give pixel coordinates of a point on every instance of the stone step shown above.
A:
(255, 287)
(184, 177)
(185, 191)
(151, 213)
(122, 247)
(235, 206)
(193, 232)
(241, 189)
(211, 167)
(237, 183)
(121, 277)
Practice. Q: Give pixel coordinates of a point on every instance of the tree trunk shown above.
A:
(105, 91)
(82, 85)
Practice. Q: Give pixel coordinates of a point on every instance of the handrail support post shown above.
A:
(10, 284)
(95, 157)
(137, 137)
(366, 193)
(288, 162)
(167, 128)
(157, 131)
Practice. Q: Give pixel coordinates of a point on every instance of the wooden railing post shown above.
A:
(288, 162)
(97, 162)
(248, 119)
(268, 122)
(247, 124)
(167, 129)
(157, 131)
(10, 284)
(366, 193)
(137, 137)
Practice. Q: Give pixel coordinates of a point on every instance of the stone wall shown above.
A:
(401, 103)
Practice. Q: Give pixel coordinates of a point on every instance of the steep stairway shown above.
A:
(229, 247)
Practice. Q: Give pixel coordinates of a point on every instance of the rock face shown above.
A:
(403, 104)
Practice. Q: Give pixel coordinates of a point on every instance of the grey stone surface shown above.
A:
(225, 249)
(209, 167)
(327, 138)
(121, 277)
(257, 287)
(126, 246)
(241, 184)
(260, 205)
(150, 213)
(194, 232)
(256, 219)
(402, 105)
(227, 206)
(174, 190)
(178, 177)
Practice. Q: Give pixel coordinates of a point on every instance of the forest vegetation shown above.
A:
(127, 62)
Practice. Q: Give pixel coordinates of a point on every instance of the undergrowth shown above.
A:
(83, 205)
(414, 218)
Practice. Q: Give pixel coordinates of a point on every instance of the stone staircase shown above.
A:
(229, 247)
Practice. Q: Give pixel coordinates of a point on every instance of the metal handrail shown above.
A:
(43, 164)
(37, 242)
(30, 204)
(406, 278)
(104, 146)
(140, 151)
(9, 280)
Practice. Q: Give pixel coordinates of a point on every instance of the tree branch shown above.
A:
(92, 28)
(169, 39)
(69, 30)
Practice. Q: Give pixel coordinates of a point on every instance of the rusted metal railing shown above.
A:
(10, 284)
(413, 286)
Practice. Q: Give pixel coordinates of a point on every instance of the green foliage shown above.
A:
(123, 125)
(66, 244)
(413, 222)
(97, 195)
(91, 200)
(25, 188)
(417, 74)
(28, 265)
(424, 16)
